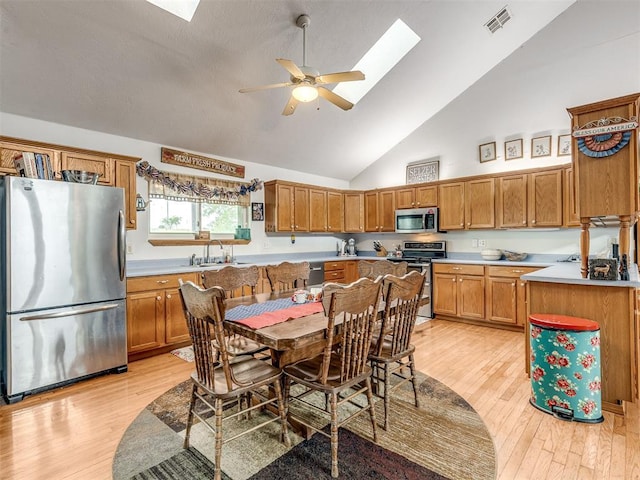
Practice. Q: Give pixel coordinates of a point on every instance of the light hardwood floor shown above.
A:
(73, 432)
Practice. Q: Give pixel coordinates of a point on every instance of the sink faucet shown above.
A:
(208, 256)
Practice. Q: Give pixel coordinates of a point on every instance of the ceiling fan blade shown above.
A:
(337, 100)
(340, 77)
(265, 87)
(291, 67)
(291, 105)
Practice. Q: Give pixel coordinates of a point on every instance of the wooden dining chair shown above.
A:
(377, 268)
(236, 281)
(392, 353)
(288, 276)
(342, 366)
(221, 378)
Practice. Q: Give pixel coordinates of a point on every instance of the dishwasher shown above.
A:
(316, 274)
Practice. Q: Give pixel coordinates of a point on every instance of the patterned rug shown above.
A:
(184, 353)
(444, 438)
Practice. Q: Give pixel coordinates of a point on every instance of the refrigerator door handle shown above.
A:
(121, 244)
(69, 313)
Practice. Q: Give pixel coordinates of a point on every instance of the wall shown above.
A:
(27, 128)
(570, 62)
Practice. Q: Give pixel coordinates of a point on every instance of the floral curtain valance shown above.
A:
(190, 188)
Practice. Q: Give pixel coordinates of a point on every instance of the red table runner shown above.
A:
(277, 316)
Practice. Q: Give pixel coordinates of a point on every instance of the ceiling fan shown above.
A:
(307, 81)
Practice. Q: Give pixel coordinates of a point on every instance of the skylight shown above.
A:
(394, 44)
(180, 8)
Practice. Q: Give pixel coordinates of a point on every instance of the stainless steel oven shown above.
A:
(418, 256)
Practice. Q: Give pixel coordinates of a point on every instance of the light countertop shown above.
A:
(569, 273)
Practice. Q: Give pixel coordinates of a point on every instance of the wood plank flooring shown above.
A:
(73, 432)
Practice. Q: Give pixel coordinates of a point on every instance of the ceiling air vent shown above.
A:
(498, 20)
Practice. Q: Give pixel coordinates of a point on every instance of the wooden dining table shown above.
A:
(289, 341)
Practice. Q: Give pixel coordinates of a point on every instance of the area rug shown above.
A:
(444, 438)
(184, 353)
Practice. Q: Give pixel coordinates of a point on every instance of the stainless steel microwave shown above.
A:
(417, 220)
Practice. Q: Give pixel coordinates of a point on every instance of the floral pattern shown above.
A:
(565, 372)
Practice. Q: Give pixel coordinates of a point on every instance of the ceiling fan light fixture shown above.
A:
(305, 93)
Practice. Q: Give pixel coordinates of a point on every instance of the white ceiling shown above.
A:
(127, 68)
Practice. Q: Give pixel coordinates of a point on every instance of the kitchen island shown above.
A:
(560, 289)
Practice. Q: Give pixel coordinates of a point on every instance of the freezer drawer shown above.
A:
(49, 347)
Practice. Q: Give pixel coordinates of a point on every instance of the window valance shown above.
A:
(191, 188)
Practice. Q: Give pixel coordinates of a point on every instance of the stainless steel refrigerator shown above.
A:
(62, 278)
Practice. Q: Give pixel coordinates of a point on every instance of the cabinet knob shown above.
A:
(468, 224)
(158, 298)
(462, 224)
(162, 282)
(524, 222)
(168, 295)
(453, 280)
(460, 280)
(513, 284)
(533, 221)
(522, 284)
(133, 221)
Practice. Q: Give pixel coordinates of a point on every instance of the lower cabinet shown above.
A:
(459, 290)
(488, 294)
(341, 271)
(155, 319)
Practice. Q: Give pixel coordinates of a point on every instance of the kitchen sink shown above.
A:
(221, 264)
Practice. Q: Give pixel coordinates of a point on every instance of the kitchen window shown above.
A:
(187, 217)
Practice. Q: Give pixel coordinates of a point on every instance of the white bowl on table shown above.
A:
(491, 254)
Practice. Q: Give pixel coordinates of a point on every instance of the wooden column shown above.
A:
(585, 222)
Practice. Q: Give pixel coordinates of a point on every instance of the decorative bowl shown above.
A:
(80, 176)
(491, 254)
(515, 256)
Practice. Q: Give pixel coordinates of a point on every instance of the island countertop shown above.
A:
(569, 273)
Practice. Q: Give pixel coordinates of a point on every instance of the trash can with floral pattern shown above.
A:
(565, 367)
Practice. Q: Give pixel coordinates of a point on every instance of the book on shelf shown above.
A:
(48, 168)
(39, 165)
(25, 164)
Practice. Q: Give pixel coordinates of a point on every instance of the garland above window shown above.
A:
(189, 188)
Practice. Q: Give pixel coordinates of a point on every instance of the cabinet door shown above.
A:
(145, 320)
(176, 329)
(521, 302)
(90, 163)
(471, 296)
(301, 209)
(480, 203)
(545, 199)
(571, 218)
(354, 212)
(445, 294)
(371, 212)
(8, 151)
(284, 208)
(335, 212)
(426, 196)
(512, 201)
(405, 198)
(317, 210)
(350, 271)
(502, 294)
(386, 211)
(125, 177)
(451, 202)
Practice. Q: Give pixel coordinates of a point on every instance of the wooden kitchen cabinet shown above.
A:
(458, 290)
(115, 170)
(530, 199)
(155, 319)
(417, 197)
(570, 215)
(341, 271)
(335, 211)
(317, 210)
(467, 205)
(379, 210)
(353, 212)
(506, 301)
(286, 207)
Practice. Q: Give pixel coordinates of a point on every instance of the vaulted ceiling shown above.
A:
(131, 69)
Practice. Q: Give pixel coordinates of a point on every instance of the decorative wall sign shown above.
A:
(257, 211)
(564, 145)
(541, 146)
(420, 172)
(184, 159)
(513, 149)
(487, 152)
(605, 136)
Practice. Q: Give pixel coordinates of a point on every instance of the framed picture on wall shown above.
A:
(487, 152)
(564, 145)
(257, 211)
(541, 146)
(513, 149)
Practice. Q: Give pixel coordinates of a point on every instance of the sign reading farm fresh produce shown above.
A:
(185, 159)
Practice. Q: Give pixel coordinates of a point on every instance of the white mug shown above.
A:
(300, 297)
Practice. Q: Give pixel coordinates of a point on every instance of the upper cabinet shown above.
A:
(417, 197)
(467, 205)
(571, 217)
(317, 210)
(115, 170)
(335, 209)
(530, 199)
(379, 210)
(353, 212)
